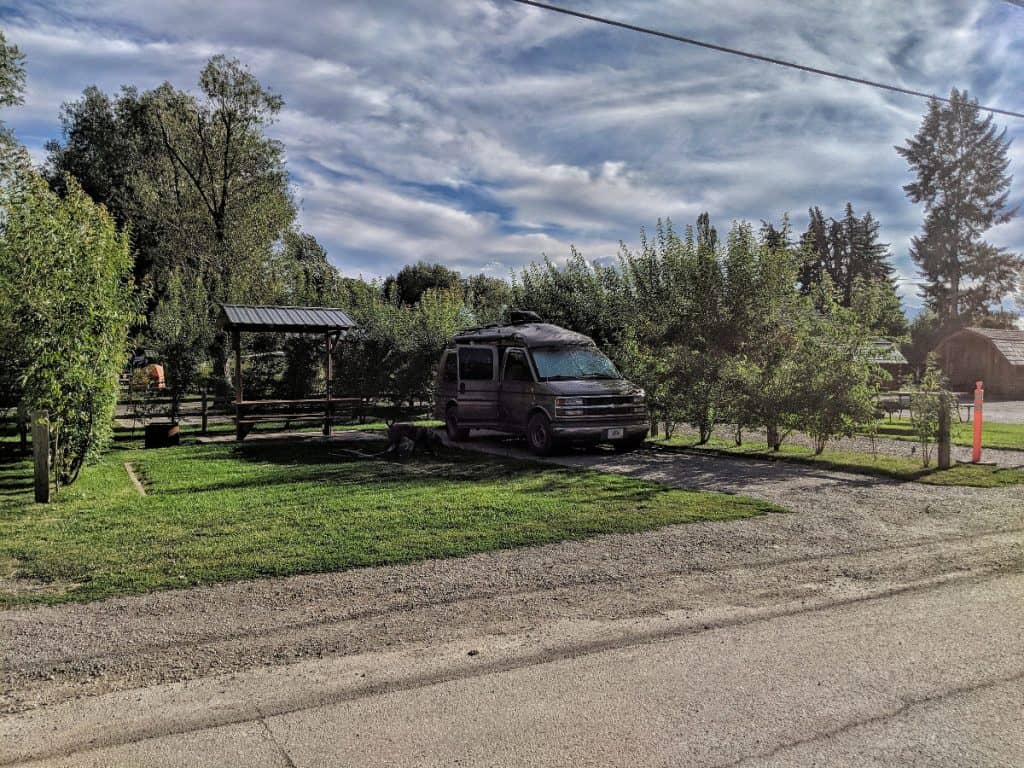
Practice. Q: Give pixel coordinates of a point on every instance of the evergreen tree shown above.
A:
(849, 253)
(960, 160)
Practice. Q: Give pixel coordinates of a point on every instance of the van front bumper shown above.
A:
(598, 433)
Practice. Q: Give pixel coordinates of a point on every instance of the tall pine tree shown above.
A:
(961, 159)
(849, 253)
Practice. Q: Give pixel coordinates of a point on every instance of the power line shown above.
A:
(754, 56)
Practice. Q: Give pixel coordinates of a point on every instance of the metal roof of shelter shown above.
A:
(885, 352)
(526, 334)
(276, 319)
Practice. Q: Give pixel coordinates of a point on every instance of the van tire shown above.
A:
(451, 425)
(539, 436)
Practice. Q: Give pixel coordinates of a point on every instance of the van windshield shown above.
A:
(566, 363)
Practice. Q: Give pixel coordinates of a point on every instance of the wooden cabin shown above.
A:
(992, 355)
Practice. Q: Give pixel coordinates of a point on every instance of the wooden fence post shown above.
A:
(943, 436)
(203, 431)
(22, 418)
(41, 453)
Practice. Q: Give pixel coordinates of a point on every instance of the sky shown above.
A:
(484, 134)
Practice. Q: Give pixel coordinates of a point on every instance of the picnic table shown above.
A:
(903, 400)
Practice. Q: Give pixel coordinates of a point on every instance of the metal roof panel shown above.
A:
(262, 317)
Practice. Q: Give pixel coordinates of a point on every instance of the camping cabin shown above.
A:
(992, 355)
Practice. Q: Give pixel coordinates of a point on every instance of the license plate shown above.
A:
(615, 433)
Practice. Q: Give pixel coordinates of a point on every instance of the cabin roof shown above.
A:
(1009, 342)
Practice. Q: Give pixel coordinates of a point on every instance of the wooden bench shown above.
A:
(325, 413)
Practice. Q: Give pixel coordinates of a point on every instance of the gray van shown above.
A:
(539, 380)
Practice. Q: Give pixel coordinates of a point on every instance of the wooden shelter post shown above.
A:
(236, 340)
(329, 348)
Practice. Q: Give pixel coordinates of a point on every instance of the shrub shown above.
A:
(66, 299)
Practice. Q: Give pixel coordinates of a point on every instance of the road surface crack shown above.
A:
(908, 703)
(273, 740)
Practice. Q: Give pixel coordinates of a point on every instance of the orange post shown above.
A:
(979, 398)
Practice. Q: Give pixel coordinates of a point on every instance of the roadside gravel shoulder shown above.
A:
(882, 445)
(849, 533)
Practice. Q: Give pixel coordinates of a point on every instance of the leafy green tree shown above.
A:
(180, 330)
(12, 73)
(65, 298)
(414, 280)
(578, 295)
(314, 281)
(202, 185)
(960, 160)
(929, 395)
(488, 297)
(13, 161)
(307, 279)
(837, 380)
(770, 321)
(395, 350)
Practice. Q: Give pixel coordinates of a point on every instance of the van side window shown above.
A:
(476, 364)
(451, 367)
(516, 367)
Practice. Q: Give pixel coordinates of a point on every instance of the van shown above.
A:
(547, 383)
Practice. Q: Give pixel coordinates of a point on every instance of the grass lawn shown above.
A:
(222, 512)
(993, 435)
(898, 467)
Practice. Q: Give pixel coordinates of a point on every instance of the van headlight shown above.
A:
(568, 402)
(639, 396)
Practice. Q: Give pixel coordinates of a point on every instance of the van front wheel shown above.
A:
(451, 425)
(538, 435)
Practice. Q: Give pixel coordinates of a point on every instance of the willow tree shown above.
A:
(203, 187)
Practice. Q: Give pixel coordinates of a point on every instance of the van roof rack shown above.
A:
(522, 316)
(527, 333)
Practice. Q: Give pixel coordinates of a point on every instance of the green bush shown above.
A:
(65, 308)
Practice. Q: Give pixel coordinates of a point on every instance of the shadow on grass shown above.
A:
(328, 464)
(15, 463)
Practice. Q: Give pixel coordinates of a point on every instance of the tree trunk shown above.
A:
(221, 376)
(774, 441)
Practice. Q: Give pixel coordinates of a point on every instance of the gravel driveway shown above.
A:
(882, 445)
(851, 534)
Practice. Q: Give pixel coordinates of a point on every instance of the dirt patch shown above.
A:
(13, 585)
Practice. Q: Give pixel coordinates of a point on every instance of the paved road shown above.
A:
(880, 624)
(928, 676)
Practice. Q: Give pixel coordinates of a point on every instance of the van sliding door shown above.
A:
(478, 385)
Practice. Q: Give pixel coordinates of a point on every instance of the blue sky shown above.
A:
(483, 134)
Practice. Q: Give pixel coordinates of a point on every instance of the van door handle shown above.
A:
(462, 388)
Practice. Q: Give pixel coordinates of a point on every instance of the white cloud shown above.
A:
(485, 133)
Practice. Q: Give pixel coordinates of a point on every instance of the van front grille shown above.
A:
(602, 407)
